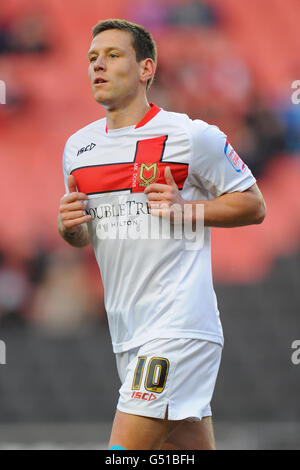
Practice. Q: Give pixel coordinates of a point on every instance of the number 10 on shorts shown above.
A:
(155, 376)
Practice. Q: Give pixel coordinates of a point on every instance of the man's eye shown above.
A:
(113, 55)
(92, 59)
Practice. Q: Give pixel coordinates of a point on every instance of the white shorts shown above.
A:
(173, 375)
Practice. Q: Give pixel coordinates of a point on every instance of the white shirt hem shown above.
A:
(135, 342)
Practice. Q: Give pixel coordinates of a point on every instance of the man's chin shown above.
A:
(103, 100)
(106, 102)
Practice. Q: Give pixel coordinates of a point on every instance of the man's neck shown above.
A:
(128, 115)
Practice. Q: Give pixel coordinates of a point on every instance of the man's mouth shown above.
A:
(99, 81)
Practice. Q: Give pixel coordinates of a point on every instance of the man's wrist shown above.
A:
(194, 211)
(77, 236)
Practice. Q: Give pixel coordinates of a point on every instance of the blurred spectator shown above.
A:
(260, 136)
(192, 13)
(25, 34)
(67, 299)
(290, 118)
(4, 44)
(4, 30)
(152, 14)
(37, 264)
(156, 14)
(14, 290)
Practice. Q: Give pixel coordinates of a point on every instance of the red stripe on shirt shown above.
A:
(131, 175)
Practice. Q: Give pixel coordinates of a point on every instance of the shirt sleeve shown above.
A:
(215, 164)
(65, 164)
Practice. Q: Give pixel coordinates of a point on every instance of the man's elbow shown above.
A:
(261, 212)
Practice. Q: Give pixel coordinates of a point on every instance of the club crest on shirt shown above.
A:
(234, 159)
(148, 174)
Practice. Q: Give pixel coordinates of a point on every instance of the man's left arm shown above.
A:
(233, 209)
(228, 210)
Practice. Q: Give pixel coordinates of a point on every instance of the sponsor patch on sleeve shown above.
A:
(234, 159)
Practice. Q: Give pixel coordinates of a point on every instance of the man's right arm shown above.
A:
(72, 223)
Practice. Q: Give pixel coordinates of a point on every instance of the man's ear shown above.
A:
(147, 69)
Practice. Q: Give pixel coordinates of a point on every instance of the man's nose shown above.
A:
(99, 64)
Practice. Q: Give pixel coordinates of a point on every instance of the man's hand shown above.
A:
(71, 220)
(165, 199)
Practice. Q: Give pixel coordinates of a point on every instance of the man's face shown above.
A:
(113, 60)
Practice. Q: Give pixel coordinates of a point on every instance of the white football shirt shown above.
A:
(154, 288)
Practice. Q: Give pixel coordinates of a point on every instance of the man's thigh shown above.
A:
(192, 435)
(142, 433)
(135, 432)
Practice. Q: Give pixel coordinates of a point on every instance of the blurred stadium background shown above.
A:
(231, 63)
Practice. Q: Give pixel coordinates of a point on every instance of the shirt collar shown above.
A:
(153, 111)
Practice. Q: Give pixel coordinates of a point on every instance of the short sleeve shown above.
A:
(66, 171)
(215, 164)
